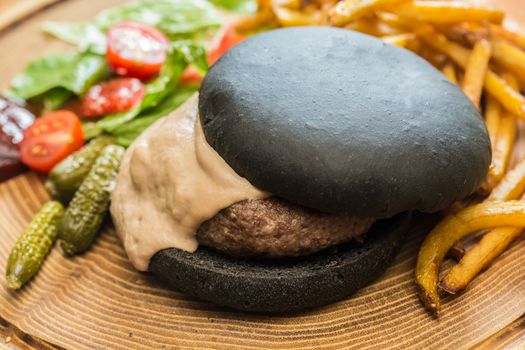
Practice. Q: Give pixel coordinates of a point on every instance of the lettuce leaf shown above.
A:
(181, 55)
(128, 132)
(178, 19)
(240, 6)
(86, 36)
(73, 72)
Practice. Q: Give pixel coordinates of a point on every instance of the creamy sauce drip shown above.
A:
(171, 181)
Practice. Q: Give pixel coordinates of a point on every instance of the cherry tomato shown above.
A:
(113, 96)
(136, 49)
(50, 139)
(191, 75)
(229, 39)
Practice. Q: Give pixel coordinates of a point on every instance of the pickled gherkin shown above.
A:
(30, 250)
(65, 178)
(86, 211)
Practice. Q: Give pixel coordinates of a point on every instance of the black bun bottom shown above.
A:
(284, 285)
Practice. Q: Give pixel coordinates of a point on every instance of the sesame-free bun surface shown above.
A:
(342, 122)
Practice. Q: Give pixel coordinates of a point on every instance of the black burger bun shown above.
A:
(344, 123)
(338, 122)
(281, 286)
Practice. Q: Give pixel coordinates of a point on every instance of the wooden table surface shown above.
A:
(98, 301)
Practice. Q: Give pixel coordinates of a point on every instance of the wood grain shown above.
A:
(97, 300)
(12, 11)
(511, 337)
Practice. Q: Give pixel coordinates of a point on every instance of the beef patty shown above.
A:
(274, 228)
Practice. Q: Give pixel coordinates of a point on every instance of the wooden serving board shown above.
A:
(98, 301)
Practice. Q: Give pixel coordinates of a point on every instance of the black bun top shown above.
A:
(341, 122)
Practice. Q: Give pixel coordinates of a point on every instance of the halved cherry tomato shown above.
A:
(113, 96)
(136, 50)
(229, 38)
(191, 75)
(50, 139)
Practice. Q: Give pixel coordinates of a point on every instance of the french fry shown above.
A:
(476, 69)
(394, 20)
(502, 146)
(492, 118)
(450, 72)
(289, 17)
(291, 4)
(450, 11)
(254, 21)
(401, 40)
(514, 37)
(457, 251)
(510, 98)
(511, 186)
(439, 42)
(364, 25)
(478, 257)
(502, 149)
(465, 33)
(450, 230)
(385, 29)
(493, 243)
(509, 57)
(347, 11)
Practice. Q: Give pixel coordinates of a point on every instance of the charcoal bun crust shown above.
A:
(282, 286)
(342, 122)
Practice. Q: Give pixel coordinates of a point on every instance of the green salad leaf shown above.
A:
(55, 98)
(240, 6)
(73, 72)
(91, 129)
(128, 132)
(86, 36)
(178, 19)
(53, 79)
(163, 85)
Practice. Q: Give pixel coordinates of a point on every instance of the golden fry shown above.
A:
(447, 11)
(401, 40)
(477, 258)
(492, 118)
(514, 37)
(436, 58)
(291, 4)
(457, 251)
(439, 42)
(494, 242)
(347, 11)
(450, 72)
(476, 69)
(511, 186)
(509, 57)
(364, 25)
(452, 229)
(254, 21)
(385, 29)
(465, 33)
(510, 98)
(288, 17)
(394, 20)
(502, 150)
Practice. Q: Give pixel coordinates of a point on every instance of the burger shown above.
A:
(289, 181)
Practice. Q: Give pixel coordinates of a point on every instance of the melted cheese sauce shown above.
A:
(171, 181)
